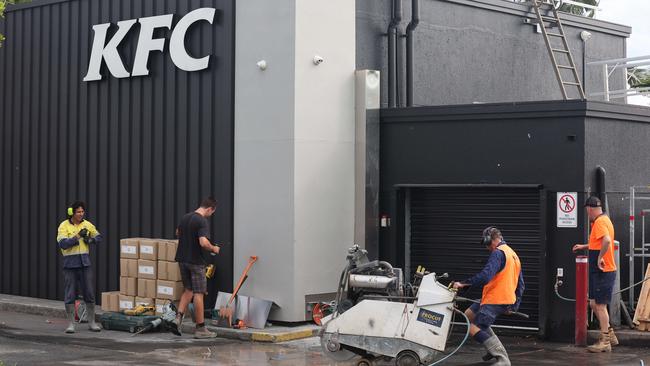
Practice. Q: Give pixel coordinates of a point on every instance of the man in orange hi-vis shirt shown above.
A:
(602, 271)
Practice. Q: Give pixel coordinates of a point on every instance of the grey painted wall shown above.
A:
(619, 146)
(481, 51)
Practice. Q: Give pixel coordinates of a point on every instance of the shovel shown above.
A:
(226, 312)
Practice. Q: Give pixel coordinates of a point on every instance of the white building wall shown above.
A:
(294, 148)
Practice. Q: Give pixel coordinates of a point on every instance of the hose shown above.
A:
(557, 292)
(558, 282)
(461, 343)
(629, 287)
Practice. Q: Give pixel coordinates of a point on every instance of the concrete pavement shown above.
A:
(27, 339)
(54, 309)
(31, 333)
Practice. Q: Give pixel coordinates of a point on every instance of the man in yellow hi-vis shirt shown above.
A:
(74, 237)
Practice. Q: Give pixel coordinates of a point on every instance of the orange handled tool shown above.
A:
(226, 312)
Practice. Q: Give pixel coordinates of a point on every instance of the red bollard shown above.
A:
(582, 283)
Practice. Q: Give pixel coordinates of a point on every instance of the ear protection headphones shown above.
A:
(487, 236)
(70, 211)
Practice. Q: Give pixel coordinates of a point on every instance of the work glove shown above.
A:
(90, 241)
(84, 233)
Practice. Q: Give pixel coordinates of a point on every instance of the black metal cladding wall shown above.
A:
(445, 228)
(140, 151)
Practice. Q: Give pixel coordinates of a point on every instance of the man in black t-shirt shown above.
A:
(192, 233)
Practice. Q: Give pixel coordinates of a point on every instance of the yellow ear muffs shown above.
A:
(70, 211)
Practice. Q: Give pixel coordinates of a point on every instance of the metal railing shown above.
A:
(609, 66)
(559, 3)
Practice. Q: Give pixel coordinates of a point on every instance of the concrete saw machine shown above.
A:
(377, 317)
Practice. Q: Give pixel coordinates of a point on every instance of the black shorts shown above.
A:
(193, 277)
(601, 286)
(486, 315)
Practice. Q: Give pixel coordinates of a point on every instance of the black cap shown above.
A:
(593, 201)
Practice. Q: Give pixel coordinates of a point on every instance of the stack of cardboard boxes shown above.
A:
(148, 275)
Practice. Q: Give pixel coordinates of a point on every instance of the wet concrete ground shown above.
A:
(37, 340)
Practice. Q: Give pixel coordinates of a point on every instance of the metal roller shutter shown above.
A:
(445, 232)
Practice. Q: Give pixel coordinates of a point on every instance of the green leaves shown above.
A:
(638, 77)
(577, 10)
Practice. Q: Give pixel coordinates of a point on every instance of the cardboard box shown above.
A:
(148, 249)
(169, 271)
(126, 302)
(129, 248)
(167, 250)
(146, 301)
(147, 269)
(171, 250)
(162, 302)
(146, 288)
(128, 267)
(110, 301)
(170, 290)
(128, 286)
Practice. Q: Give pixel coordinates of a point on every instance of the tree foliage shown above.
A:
(638, 77)
(3, 7)
(577, 10)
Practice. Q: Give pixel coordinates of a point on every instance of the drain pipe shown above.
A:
(600, 187)
(415, 19)
(392, 54)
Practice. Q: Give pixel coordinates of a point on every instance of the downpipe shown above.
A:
(393, 35)
(415, 20)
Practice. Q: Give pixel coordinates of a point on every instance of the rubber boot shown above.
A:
(612, 337)
(494, 347)
(603, 344)
(69, 310)
(90, 308)
(487, 356)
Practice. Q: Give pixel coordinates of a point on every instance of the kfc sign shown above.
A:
(146, 43)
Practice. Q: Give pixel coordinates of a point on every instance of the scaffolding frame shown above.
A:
(637, 193)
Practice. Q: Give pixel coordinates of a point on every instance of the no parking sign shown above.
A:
(567, 212)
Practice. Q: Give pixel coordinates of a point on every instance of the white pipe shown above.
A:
(616, 60)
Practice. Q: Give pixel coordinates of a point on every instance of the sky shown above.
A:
(634, 13)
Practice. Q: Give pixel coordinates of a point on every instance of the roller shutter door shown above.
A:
(445, 231)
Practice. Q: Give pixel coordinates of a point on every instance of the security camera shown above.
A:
(585, 36)
(261, 64)
(318, 60)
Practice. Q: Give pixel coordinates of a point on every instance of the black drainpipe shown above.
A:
(415, 19)
(392, 59)
(600, 187)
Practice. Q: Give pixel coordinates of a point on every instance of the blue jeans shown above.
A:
(486, 315)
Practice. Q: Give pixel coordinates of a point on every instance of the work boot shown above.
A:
(69, 311)
(603, 344)
(204, 333)
(178, 322)
(90, 308)
(612, 337)
(495, 348)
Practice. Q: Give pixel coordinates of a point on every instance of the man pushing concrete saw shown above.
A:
(503, 286)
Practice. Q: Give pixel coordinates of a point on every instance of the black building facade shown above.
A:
(448, 172)
(140, 151)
